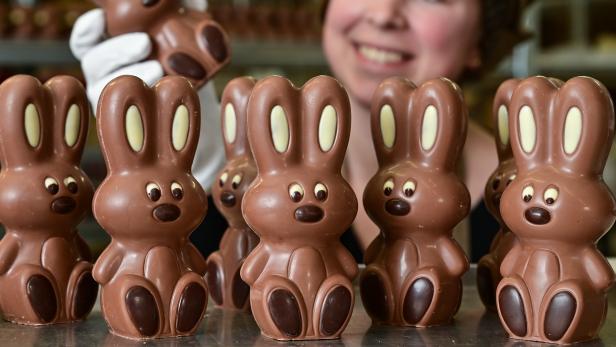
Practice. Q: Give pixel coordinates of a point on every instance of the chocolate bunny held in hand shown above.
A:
(151, 275)
(45, 266)
(223, 275)
(299, 205)
(555, 281)
(413, 273)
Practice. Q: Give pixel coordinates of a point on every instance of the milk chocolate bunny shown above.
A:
(416, 198)
(488, 268)
(45, 266)
(187, 42)
(554, 279)
(299, 205)
(223, 275)
(151, 275)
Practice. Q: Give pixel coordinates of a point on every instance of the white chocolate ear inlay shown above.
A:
(573, 130)
(230, 123)
(388, 126)
(503, 125)
(429, 128)
(72, 125)
(134, 128)
(32, 125)
(528, 129)
(328, 127)
(280, 129)
(179, 132)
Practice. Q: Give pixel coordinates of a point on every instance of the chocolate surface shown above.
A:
(44, 195)
(414, 268)
(554, 279)
(186, 42)
(300, 274)
(151, 275)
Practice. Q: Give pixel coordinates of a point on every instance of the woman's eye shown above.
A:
(71, 184)
(296, 192)
(550, 196)
(153, 191)
(409, 188)
(52, 185)
(388, 187)
(320, 192)
(177, 191)
(528, 193)
(237, 180)
(223, 179)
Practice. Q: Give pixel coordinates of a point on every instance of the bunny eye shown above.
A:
(223, 179)
(496, 183)
(237, 180)
(52, 185)
(550, 196)
(153, 191)
(388, 187)
(511, 178)
(177, 191)
(71, 184)
(320, 192)
(528, 193)
(409, 188)
(296, 192)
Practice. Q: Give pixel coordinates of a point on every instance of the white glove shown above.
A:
(103, 60)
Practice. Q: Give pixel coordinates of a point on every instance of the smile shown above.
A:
(381, 56)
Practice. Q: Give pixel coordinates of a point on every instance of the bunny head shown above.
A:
(561, 135)
(149, 137)
(299, 139)
(418, 135)
(188, 43)
(240, 170)
(505, 173)
(43, 130)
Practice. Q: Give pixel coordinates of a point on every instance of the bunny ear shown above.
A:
(274, 124)
(529, 123)
(391, 131)
(583, 127)
(500, 118)
(439, 112)
(126, 123)
(326, 123)
(233, 112)
(179, 121)
(25, 129)
(71, 116)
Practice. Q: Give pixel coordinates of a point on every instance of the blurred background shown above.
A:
(569, 38)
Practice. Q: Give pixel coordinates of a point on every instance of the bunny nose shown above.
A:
(309, 214)
(167, 213)
(214, 41)
(496, 198)
(537, 215)
(150, 3)
(63, 205)
(227, 199)
(397, 207)
(185, 65)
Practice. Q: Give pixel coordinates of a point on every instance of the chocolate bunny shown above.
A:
(413, 271)
(223, 275)
(555, 281)
(45, 266)
(488, 268)
(187, 42)
(299, 205)
(151, 275)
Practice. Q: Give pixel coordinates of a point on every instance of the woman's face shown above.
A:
(367, 41)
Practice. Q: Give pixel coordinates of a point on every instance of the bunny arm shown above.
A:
(254, 264)
(453, 256)
(508, 263)
(349, 266)
(194, 259)
(598, 269)
(9, 248)
(107, 264)
(82, 248)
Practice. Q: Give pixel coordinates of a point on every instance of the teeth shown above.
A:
(379, 55)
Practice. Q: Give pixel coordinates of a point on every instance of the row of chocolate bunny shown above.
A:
(295, 275)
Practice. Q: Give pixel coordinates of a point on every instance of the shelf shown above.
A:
(19, 53)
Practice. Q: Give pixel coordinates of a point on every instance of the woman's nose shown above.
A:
(387, 14)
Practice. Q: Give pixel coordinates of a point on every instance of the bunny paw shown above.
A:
(284, 310)
(191, 307)
(42, 298)
(336, 309)
(85, 296)
(143, 311)
(417, 301)
(374, 296)
(214, 281)
(511, 306)
(559, 315)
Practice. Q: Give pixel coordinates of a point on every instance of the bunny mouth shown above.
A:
(537, 215)
(398, 207)
(167, 213)
(309, 214)
(63, 205)
(228, 199)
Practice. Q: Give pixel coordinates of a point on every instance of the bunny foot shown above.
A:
(376, 294)
(334, 306)
(37, 301)
(188, 304)
(432, 298)
(512, 301)
(417, 300)
(82, 292)
(230, 293)
(488, 276)
(214, 278)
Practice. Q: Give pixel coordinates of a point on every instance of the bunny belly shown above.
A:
(541, 271)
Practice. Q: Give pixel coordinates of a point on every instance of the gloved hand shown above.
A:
(103, 60)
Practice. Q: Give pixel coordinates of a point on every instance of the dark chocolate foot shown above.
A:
(240, 291)
(143, 310)
(417, 300)
(42, 298)
(284, 309)
(485, 287)
(559, 315)
(85, 296)
(214, 282)
(336, 309)
(191, 307)
(374, 297)
(512, 310)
